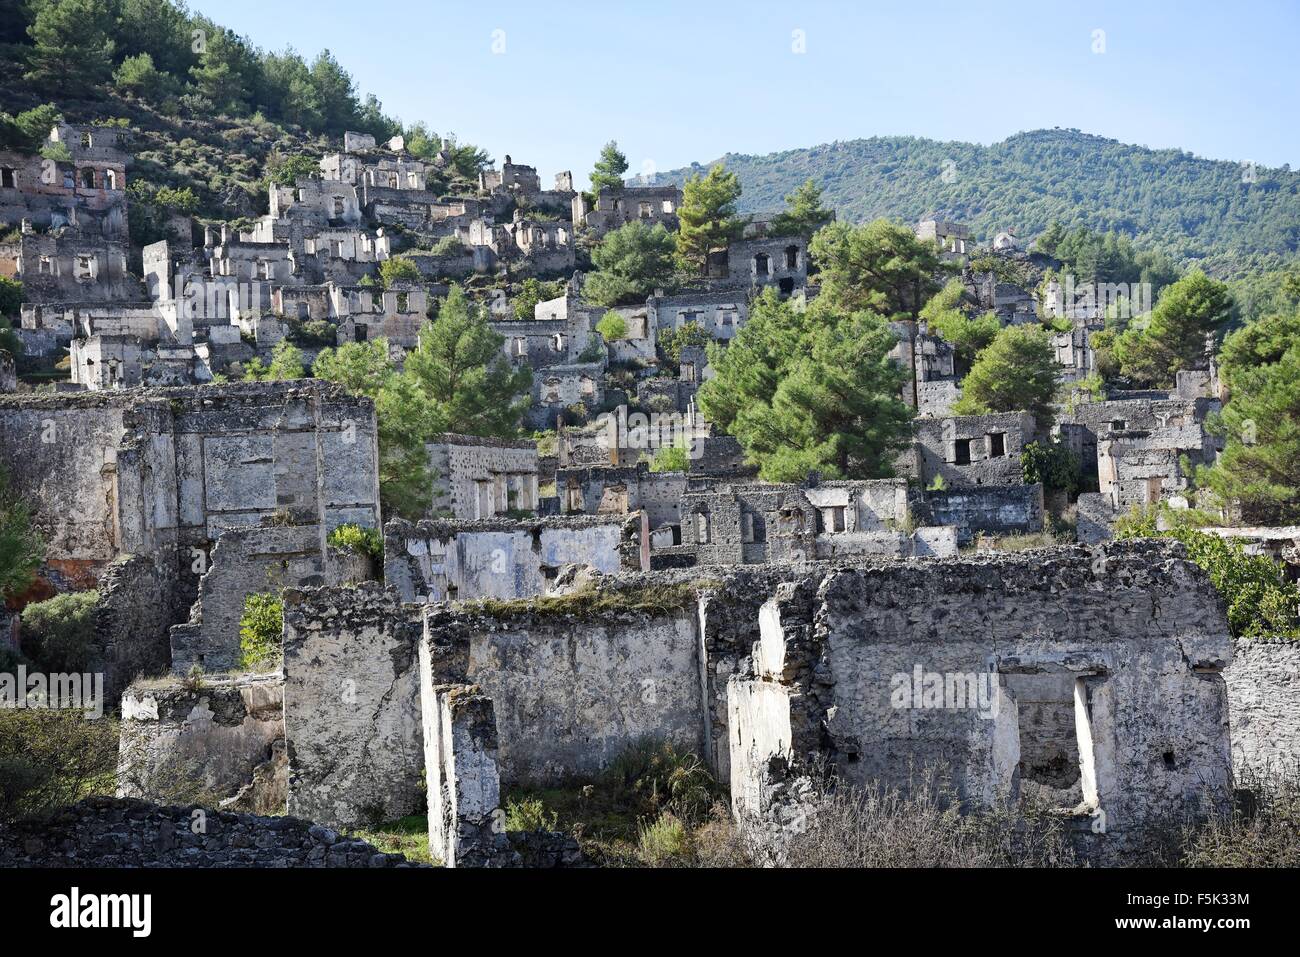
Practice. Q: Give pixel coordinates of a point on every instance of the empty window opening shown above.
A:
(762, 265)
(8, 178)
(997, 445)
(88, 178)
(791, 257)
(1117, 425)
(702, 527)
(961, 453)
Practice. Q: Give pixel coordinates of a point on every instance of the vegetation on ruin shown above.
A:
(1261, 602)
(707, 218)
(968, 334)
(603, 601)
(1052, 464)
(631, 262)
(612, 327)
(285, 364)
(1174, 336)
(1018, 371)
(655, 805)
(59, 632)
(398, 269)
(690, 333)
(810, 390)
(261, 632)
(609, 169)
(50, 759)
(21, 547)
(804, 212)
(531, 292)
(880, 266)
(357, 538)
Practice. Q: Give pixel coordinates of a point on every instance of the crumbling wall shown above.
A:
(900, 667)
(1264, 698)
(496, 558)
(246, 561)
(219, 741)
(994, 510)
(466, 821)
(352, 717)
(573, 686)
(132, 621)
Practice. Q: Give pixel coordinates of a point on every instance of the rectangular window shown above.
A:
(961, 454)
(997, 445)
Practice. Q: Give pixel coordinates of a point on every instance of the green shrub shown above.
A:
(529, 814)
(612, 326)
(664, 841)
(448, 246)
(49, 759)
(59, 632)
(393, 270)
(21, 548)
(670, 458)
(1260, 600)
(363, 541)
(1051, 464)
(260, 631)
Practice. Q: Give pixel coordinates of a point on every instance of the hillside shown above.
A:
(1194, 209)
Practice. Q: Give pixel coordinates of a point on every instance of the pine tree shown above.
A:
(708, 218)
(804, 213)
(1018, 372)
(73, 44)
(631, 262)
(460, 368)
(810, 391)
(1175, 337)
(609, 169)
(880, 266)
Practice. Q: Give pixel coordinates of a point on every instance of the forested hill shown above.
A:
(1195, 209)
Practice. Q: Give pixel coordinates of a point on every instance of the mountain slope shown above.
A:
(1195, 209)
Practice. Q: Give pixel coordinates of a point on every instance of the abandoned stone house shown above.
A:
(163, 476)
(86, 194)
(626, 490)
(477, 477)
(754, 263)
(720, 314)
(69, 267)
(954, 239)
(616, 207)
(969, 449)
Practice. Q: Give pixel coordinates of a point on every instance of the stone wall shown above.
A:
(1141, 634)
(352, 716)
(497, 558)
(132, 620)
(217, 742)
(574, 687)
(245, 561)
(1264, 698)
(476, 477)
(125, 832)
(970, 449)
(994, 510)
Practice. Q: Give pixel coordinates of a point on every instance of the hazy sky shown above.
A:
(676, 82)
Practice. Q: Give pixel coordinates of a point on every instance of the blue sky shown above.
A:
(676, 82)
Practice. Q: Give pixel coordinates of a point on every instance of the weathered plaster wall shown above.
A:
(1264, 699)
(352, 715)
(219, 741)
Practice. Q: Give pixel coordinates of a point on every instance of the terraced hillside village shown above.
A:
(383, 503)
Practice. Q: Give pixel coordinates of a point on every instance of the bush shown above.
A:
(1260, 600)
(397, 269)
(363, 541)
(21, 548)
(663, 841)
(670, 458)
(529, 814)
(612, 327)
(59, 633)
(49, 759)
(449, 246)
(1263, 829)
(260, 631)
(1052, 464)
